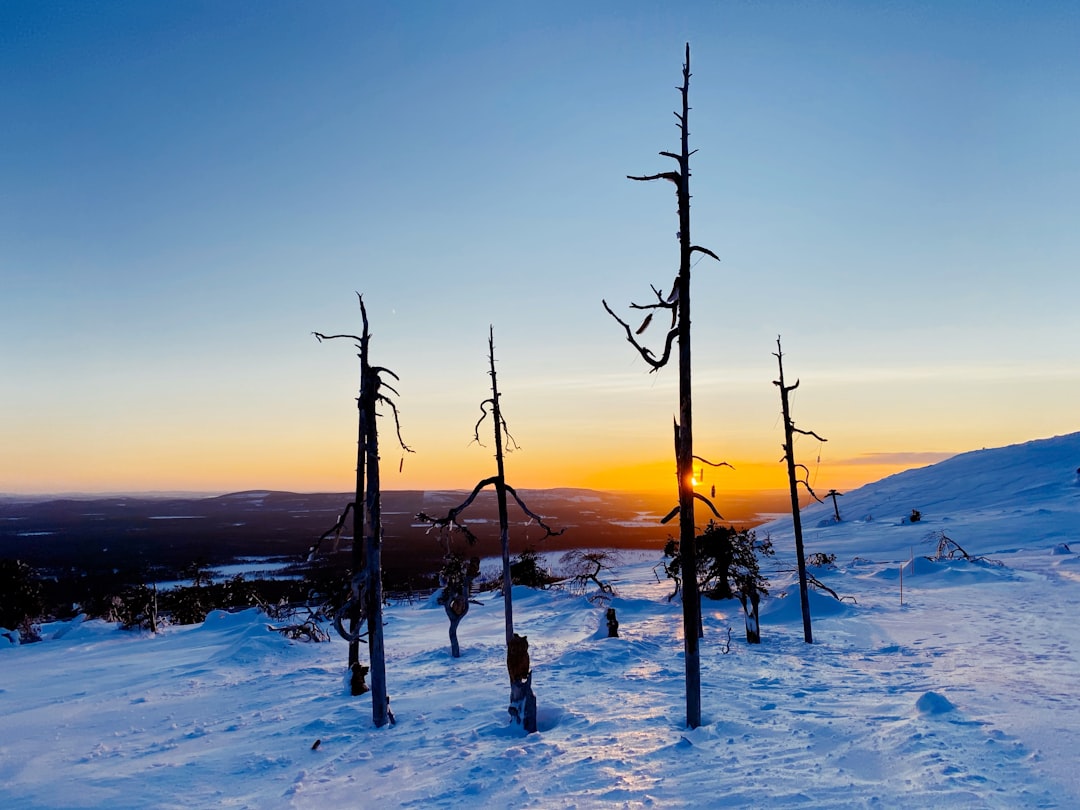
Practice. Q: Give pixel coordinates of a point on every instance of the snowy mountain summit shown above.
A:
(1021, 496)
(941, 679)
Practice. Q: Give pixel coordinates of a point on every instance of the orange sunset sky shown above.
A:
(191, 190)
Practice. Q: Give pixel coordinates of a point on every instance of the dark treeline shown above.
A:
(85, 552)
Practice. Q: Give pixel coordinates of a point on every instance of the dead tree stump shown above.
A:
(357, 683)
(751, 604)
(523, 704)
(522, 700)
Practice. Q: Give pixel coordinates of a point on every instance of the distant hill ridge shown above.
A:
(1024, 473)
(1028, 491)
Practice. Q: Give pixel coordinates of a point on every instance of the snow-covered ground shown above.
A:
(965, 695)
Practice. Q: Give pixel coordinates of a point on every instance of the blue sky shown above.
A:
(190, 189)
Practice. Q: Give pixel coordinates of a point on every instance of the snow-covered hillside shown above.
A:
(966, 695)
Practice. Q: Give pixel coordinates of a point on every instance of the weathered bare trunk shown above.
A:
(373, 567)
(366, 583)
(455, 620)
(678, 303)
(796, 516)
(793, 481)
(685, 436)
(456, 605)
(500, 494)
(357, 613)
(522, 701)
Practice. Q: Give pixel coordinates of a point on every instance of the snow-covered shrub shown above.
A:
(727, 562)
(135, 608)
(526, 570)
(821, 560)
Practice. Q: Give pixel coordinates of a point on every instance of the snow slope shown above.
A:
(964, 696)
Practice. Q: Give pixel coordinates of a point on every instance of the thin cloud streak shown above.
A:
(901, 459)
(973, 374)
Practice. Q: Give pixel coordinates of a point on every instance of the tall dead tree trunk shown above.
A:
(365, 598)
(793, 480)
(678, 303)
(373, 595)
(522, 700)
(356, 615)
(500, 492)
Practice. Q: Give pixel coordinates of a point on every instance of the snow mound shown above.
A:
(933, 703)
(785, 607)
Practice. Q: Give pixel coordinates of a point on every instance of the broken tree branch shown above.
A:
(806, 433)
(548, 531)
(709, 504)
(646, 354)
(674, 177)
(706, 251)
(713, 463)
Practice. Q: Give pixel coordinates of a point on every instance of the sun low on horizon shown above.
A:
(209, 468)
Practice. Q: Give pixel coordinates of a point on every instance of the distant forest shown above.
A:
(163, 536)
(101, 555)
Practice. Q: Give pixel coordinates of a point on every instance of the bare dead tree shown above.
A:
(677, 304)
(366, 598)
(305, 628)
(949, 549)
(793, 480)
(522, 700)
(584, 567)
(457, 576)
(832, 493)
